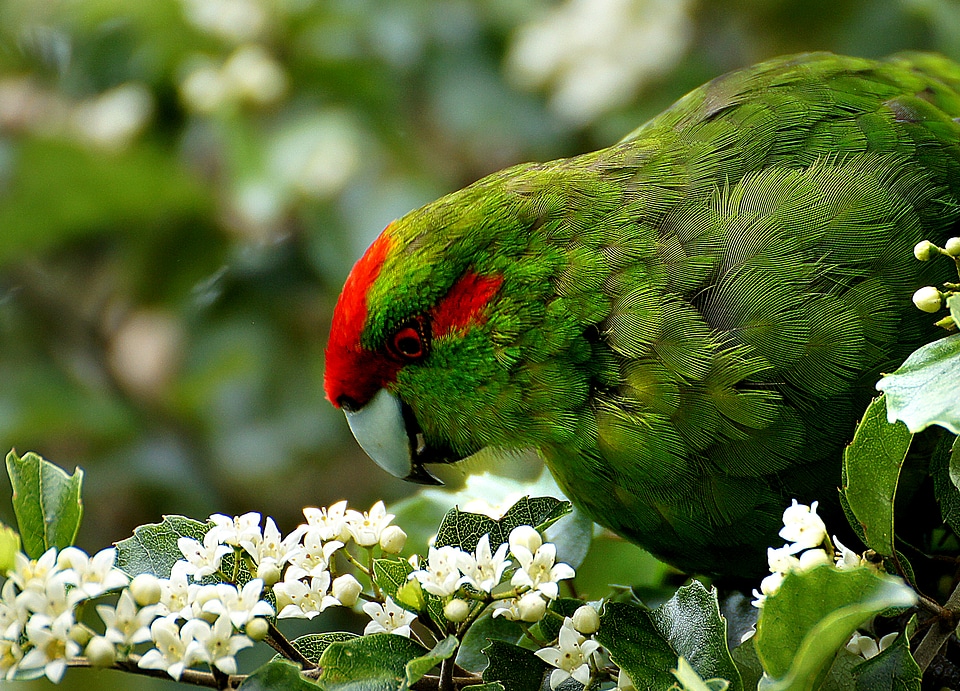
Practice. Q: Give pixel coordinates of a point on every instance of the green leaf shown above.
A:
(46, 501)
(277, 675)
(377, 662)
(485, 629)
(894, 669)
(923, 391)
(872, 465)
(691, 622)
(636, 645)
(490, 686)
(813, 614)
(153, 547)
(748, 664)
(516, 668)
(953, 304)
(9, 546)
(944, 469)
(312, 645)
(418, 667)
(464, 530)
(391, 575)
(647, 644)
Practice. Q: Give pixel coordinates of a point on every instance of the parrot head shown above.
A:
(448, 336)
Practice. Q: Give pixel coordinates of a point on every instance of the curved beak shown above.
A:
(387, 431)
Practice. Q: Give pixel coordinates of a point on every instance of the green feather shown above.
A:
(690, 321)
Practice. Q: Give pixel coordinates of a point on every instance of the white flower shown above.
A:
(315, 554)
(31, 574)
(13, 614)
(525, 536)
(388, 618)
(331, 521)
(170, 650)
(538, 571)
(529, 607)
(236, 531)
(53, 600)
(52, 645)
(176, 592)
(94, 575)
(482, 569)
(802, 525)
(204, 559)
(270, 547)
(125, 624)
(219, 643)
(10, 655)
(442, 576)
(239, 606)
(571, 658)
(365, 528)
(845, 557)
(782, 559)
(299, 600)
(624, 682)
(768, 586)
(866, 647)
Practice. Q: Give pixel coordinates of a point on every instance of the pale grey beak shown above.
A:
(384, 433)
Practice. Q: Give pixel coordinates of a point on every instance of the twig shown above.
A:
(279, 642)
(189, 676)
(943, 627)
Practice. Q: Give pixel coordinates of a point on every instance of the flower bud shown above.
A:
(771, 584)
(953, 247)
(145, 589)
(531, 607)
(268, 572)
(80, 633)
(100, 652)
(586, 620)
(256, 629)
(392, 539)
(927, 299)
(527, 537)
(456, 610)
(813, 557)
(924, 250)
(346, 589)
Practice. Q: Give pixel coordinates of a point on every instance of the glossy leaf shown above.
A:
(153, 547)
(923, 391)
(812, 615)
(872, 465)
(46, 501)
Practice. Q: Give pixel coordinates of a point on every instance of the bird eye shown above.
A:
(409, 342)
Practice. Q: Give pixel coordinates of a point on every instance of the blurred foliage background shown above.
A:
(184, 185)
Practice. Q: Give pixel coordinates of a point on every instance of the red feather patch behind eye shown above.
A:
(464, 303)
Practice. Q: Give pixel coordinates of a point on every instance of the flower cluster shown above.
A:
(533, 583)
(931, 298)
(807, 546)
(806, 536)
(214, 603)
(38, 628)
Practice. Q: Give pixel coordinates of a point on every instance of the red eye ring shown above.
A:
(409, 342)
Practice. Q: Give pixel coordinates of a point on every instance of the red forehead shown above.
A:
(345, 358)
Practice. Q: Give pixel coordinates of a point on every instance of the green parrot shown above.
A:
(685, 325)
